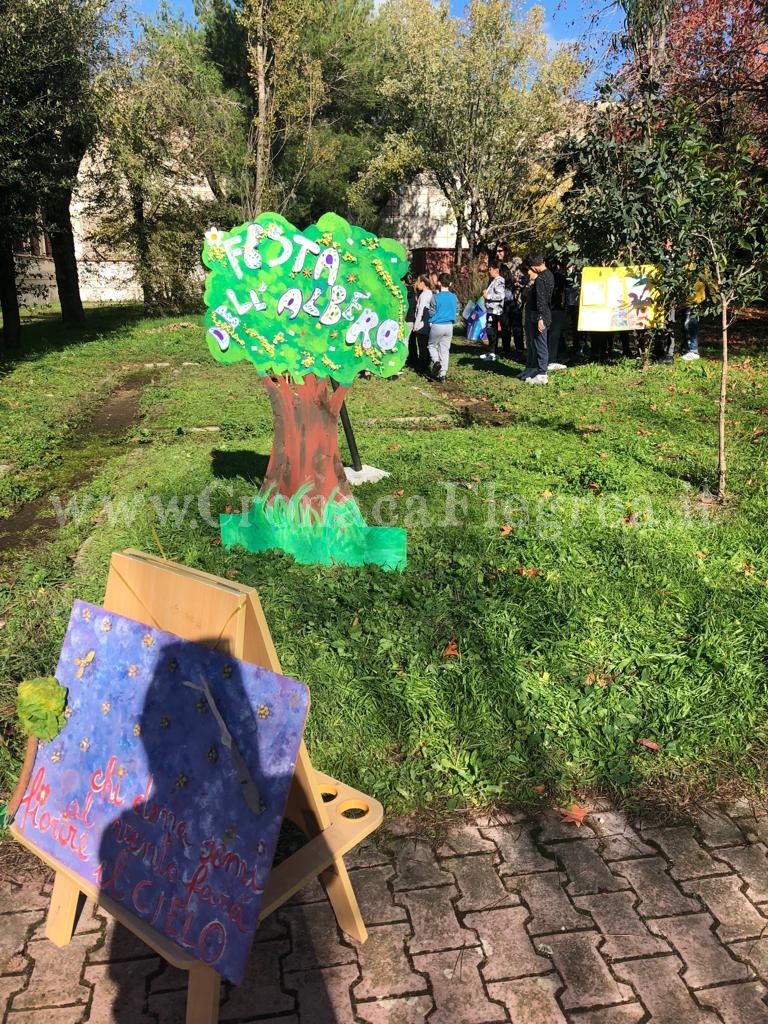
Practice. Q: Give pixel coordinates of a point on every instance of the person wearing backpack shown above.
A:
(441, 327)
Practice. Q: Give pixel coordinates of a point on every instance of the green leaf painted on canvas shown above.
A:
(40, 707)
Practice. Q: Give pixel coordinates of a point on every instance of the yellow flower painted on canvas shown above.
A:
(83, 663)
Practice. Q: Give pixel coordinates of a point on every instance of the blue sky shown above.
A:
(567, 20)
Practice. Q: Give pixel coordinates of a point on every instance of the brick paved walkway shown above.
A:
(507, 919)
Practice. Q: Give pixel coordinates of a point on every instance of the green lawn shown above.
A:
(618, 608)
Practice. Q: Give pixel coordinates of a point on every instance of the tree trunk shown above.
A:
(721, 464)
(259, 58)
(458, 248)
(59, 223)
(9, 299)
(142, 249)
(305, 446)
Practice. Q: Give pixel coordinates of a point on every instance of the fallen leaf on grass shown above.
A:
(394, 447)
(575, 815)
(522, 571)
(547, 494)
(216, 542)
(643, 432)
(232, 573)
(650, 744)
(631, 519)
(539, 789)
(605, 455)
(476, 479)
(702, 554)
(654, 407)
(451, 650)
(506, 530)
(758, 433)
(600, 679)
(400, 493)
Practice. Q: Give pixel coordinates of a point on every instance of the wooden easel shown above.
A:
(334, 817)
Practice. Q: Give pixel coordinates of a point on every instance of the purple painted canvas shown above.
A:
(167, 785)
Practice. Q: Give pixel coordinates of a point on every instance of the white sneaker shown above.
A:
(540, 378)
(488, 357)
(689, 356)
(556, 366)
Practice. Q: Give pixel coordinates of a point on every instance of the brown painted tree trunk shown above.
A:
(721, 463)
(59, 224)
(305, 446)
(9, 299)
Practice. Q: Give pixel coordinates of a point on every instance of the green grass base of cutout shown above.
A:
(337, 536)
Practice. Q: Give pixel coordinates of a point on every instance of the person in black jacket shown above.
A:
(538, 310)
(410, 318)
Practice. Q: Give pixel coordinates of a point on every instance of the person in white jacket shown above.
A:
(425, 304)
(494, 304)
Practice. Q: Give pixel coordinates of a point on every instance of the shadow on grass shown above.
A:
(43, 331)
(233, 465)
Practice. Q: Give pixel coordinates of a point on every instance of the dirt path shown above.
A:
(110, 420)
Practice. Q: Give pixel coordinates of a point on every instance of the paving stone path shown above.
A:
(505, 919)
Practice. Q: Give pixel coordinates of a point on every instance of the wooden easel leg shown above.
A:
(342, 898)
(203, 991)
(63, 909)
(306, 809)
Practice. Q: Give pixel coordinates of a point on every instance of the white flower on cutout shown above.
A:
(214, 236)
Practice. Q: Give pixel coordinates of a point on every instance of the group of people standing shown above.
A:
(525, 304)
(530, 306)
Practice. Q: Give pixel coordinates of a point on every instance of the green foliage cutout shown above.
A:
(40, 707)
(327, 301)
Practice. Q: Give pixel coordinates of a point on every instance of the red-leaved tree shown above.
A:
(717, 58)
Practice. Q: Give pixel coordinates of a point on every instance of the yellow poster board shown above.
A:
(618, 299)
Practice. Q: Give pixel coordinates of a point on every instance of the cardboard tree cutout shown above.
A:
(307, 308)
